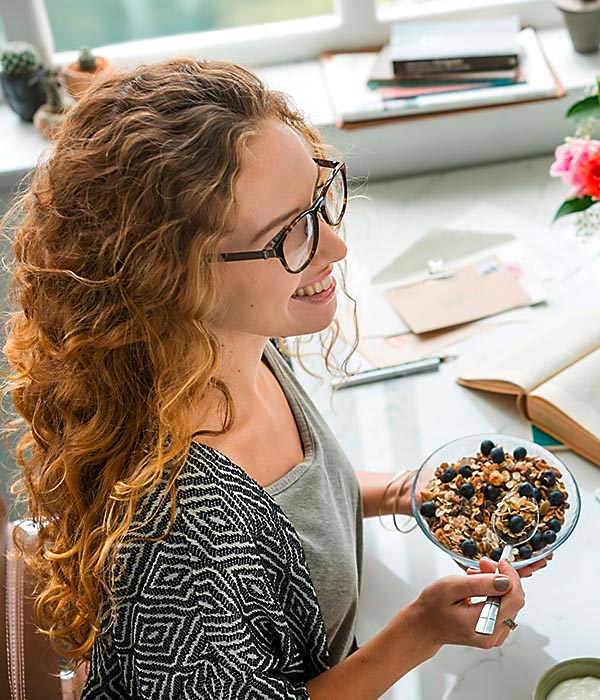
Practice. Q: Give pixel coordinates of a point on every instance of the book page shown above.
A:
(542, 354)
(576, 392)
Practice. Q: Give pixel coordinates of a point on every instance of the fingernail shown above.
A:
(473, 570)
(501, 583)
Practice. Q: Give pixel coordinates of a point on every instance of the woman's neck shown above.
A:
(246, 377)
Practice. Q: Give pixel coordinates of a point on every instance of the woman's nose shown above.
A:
(331, 246)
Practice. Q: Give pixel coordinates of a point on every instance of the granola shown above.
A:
(460, 500)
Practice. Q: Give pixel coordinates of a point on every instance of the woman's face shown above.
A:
(258, 297)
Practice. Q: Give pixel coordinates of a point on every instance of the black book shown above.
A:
(421, 48)
(424, 68)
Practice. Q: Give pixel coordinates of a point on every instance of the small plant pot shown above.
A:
(48, 122)
(582, 18)
(24, 94)
(78, 81)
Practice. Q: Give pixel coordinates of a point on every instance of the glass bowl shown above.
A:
(469, 446)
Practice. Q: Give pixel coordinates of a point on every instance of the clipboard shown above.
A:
(357, 86)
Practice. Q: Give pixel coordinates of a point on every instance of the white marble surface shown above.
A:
(393, 425)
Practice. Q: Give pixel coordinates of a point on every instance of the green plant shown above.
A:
(18, 58)
(87, 61)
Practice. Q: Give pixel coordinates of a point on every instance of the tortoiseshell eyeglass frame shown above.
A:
(274, 248)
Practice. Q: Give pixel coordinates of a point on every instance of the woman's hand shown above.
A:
(445, 612)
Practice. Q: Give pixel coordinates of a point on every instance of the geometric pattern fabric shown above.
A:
(223, 608)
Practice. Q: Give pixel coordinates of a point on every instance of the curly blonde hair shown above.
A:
(109, 344)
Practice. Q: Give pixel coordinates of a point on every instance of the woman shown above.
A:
(200, 529)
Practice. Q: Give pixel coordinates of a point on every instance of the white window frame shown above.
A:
(356, 24)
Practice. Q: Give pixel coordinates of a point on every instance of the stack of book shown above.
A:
(430, 58)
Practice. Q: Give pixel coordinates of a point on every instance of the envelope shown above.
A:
(449, 245)
(481, 289)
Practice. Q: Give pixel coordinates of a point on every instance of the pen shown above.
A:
(429, 364)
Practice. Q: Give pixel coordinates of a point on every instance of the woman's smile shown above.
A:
(320, 293)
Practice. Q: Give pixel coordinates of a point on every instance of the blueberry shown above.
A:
(496, 553)
(427, 509)
(447, 475)
(525, 552)
(554, 524)
(526, 489)
(548, 478)
(556, 498)
(537, 541)
(486, 447)
(537, 494)
(492, 492)
(466, 490)
(497, 455)
(549, 536)
(468, 548)
(520, 453)
(465, 471)
(516, 523)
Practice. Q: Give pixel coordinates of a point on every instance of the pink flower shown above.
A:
(571, 160)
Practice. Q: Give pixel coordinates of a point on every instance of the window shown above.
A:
(537, 13)
(100, 22)
(252, 32)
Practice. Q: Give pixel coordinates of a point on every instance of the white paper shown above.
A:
(560, 252)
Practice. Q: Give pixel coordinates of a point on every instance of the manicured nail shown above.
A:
(501, 583)
(473, 570)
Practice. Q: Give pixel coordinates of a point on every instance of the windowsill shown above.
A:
(397, 148)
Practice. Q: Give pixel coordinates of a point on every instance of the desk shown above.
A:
(396, 424)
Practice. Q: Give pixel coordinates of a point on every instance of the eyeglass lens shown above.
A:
(299, 242)
(334, 200)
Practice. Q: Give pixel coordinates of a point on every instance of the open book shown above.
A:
(555, 374)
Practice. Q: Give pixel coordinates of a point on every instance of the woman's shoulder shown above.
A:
(211, 498)
(221, 518)
(211, 482)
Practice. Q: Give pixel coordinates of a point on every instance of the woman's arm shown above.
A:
(372, 489)
(375, 667)
(442, 614)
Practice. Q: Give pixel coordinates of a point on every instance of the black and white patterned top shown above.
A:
(222, 608)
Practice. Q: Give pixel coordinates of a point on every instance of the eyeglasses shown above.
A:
(296, 244)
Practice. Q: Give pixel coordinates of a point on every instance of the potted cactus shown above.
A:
(49, 116)
(20, 73)
(80, 75)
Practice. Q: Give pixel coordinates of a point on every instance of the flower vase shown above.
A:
(587, 223)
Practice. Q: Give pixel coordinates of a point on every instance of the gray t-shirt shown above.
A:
(321, 498)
